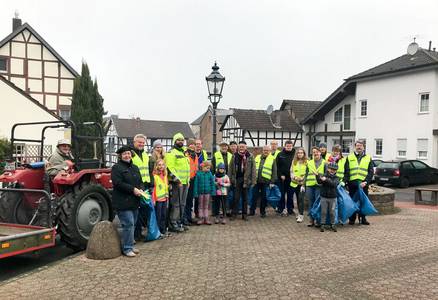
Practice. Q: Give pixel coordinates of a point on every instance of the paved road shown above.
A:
(14, 266)
(271, 258)
(407, 195)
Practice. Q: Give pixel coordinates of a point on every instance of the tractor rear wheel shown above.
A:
(13, 209)
(81, 209)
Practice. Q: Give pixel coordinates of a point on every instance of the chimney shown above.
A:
(16, 21)
(137, 122)
(430, 45)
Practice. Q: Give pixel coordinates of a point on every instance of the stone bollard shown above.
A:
(104, 242)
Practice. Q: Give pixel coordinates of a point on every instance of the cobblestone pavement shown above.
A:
(272, 258)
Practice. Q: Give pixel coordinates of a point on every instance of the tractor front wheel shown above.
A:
(81, 209)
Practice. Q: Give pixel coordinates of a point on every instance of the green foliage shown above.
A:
(87, 106)
(5, 152)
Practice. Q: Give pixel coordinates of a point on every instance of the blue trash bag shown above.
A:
(366, 207)
(315, 210)
(346, 206)
(153, 230)
(273, 195)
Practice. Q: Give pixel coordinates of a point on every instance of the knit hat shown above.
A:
(191, 142)
(178, 136)
(156, 143)
(323, 145)
(221, 166)
(332, 165)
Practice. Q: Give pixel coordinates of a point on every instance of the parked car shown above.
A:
(404, 173)
(376, 163)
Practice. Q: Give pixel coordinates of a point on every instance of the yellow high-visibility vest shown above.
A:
(178, 164)
(299, 170)
(311, 179)
(143, 165)
(341, 168)
(275, 154)
(161, 188)
(220, 159)
(267, 166)
(358, 171)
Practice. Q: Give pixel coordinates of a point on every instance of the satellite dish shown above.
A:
(412, 48)
(270, 109)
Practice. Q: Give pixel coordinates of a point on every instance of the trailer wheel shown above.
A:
(81, 209)
(13, 209)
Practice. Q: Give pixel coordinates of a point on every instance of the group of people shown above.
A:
(184, 183)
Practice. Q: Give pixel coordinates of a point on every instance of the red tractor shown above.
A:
(79, 197)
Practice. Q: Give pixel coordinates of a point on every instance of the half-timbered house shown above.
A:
(122, 131)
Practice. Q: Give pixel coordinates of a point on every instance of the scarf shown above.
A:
(219, 174)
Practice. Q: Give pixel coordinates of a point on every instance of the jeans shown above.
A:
(240, 191)
(161, 213)
(189, 202)
(259, 192)
(286, 190)
(300, 199)
(328, 204)
(127, 218)
(312, 193)
(177, 204)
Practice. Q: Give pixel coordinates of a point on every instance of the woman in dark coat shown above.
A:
(127, 189)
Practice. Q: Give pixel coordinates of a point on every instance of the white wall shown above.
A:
(16, 108)
(393, 112)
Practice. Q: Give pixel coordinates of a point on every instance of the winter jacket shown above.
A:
(249, 172)
(260, 178)
(57, 162)
(125, 177)
(284, 162)
(222, 185)
(204, 184)
(328, 186)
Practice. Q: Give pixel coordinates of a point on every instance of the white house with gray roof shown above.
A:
(392, 106)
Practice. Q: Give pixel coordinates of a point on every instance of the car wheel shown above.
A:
(404, 182)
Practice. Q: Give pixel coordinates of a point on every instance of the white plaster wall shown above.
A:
(20, 109)
(5, 50)
(330, 117)
(34, 51)
(393, 112)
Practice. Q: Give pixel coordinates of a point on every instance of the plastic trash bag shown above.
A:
(315, 213)
(273, 195)
(366, 207)
(153, 230)
(346, 206)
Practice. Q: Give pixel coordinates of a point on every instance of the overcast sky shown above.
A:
(151, 57)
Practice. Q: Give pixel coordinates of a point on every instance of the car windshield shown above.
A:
(377, 162)
(388, 165)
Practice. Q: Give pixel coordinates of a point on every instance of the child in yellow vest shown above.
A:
(160, 195)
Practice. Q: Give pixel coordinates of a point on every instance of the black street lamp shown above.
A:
(215, 83)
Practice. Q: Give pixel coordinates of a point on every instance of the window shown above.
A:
(338, 115)
(379, 147)
(424, 103)
(65, 114)
(422, 148)
(419, 165)
(3, 64)
(363, 108)
(407, 165)
(402, 145)
(347, 117)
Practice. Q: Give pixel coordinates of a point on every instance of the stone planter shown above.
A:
(382, 199)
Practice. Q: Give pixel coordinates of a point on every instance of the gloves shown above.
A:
(342, 183)
(302, 189)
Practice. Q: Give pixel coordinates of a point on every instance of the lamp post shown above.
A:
(215, 83)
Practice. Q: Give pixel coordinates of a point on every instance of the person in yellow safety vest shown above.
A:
(274, 149)
(193, 162)
(297, 174)
(141, 159)
(266, 169)
(323, 148)
(160, 195)
(221, 156)
(202, 156)
(314, 166)
(336, 157)
(358, 172)
(178, 167)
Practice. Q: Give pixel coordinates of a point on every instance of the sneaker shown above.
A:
(223, 221)
(135, 250)
(300, 218)
(334, 228)
(311, 224)
(244, 218)
(130, 254)
(321, 229)
(284, 213)
(200, 222)
(185, 228)
(216, 220)
(364, 222)
(318, 225)
(207, 222)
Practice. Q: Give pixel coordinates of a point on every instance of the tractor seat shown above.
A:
(87, 164)
(37, 165)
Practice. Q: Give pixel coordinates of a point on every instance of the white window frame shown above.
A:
(360, 108)
(399, 149)
(428, 103)
(342, 115)
(376, 145)
(421, 157)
